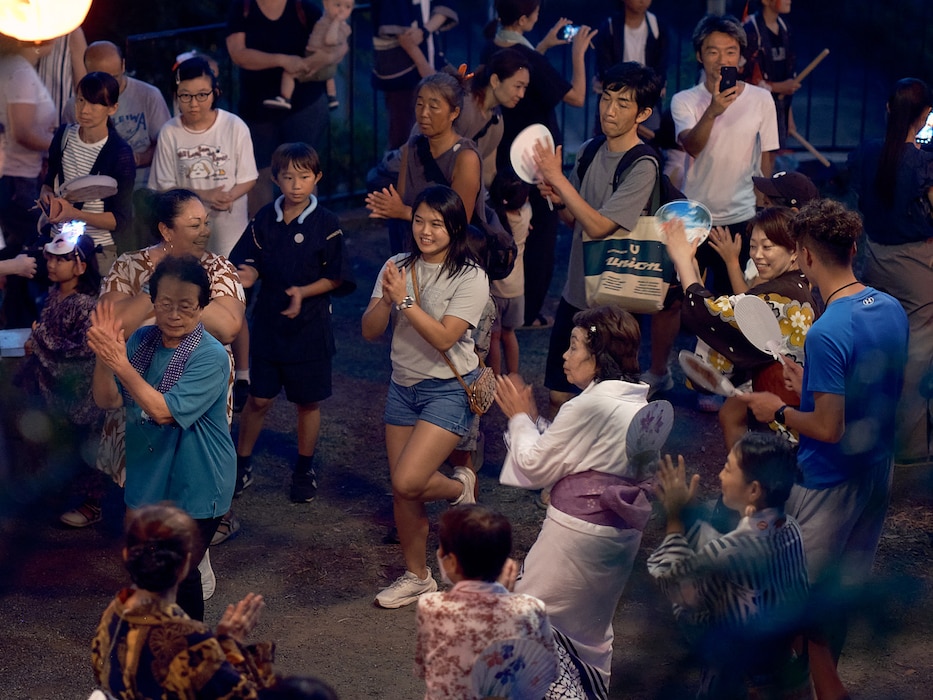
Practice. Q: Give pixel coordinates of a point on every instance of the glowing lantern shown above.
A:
(38, 20)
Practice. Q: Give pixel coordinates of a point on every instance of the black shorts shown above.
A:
(304, 382)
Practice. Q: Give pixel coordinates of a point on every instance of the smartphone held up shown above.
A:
(567, 32)
(729, 76)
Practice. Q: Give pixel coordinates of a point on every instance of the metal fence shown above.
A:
(841, 103)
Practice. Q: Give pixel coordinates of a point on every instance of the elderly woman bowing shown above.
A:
(171, 378)
(583, 555)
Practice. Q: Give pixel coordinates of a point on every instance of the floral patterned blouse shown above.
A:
(712, 320)
(61, 363)
(478, 640)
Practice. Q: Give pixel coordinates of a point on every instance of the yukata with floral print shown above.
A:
(711, 318)
(478, 640)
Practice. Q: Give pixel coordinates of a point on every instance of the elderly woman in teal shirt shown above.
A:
(171, 379)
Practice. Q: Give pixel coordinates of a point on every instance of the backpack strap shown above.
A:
(624, 166)
(432, 171)
(653, 24)
(588, 154)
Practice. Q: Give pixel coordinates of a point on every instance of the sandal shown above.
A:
(229, 527)
(539, 322)
(82, 516)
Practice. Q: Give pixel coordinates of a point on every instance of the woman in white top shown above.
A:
(436, 294)
(209, 151)
(594, 458)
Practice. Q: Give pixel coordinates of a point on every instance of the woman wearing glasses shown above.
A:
(207, 150)
(171, 379)
(181, 221)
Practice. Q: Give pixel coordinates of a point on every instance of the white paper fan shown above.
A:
(514, 668)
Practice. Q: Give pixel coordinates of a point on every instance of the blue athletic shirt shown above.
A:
(858, 349)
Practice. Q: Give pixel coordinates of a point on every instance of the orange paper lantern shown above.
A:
(39, 20)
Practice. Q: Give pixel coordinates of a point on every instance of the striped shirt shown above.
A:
(753, 578)
(78, 159)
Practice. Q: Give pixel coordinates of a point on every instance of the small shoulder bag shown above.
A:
(482, 392)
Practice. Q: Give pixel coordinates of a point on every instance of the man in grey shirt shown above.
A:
(593, 205)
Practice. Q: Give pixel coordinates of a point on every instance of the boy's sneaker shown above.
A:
(657, 383)
(405, 590)
(278, 103)
(240, 394)
(304, 487)
(467, 477)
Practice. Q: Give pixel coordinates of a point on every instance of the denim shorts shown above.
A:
(441, 402)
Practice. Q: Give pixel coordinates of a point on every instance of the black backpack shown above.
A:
(664, 190)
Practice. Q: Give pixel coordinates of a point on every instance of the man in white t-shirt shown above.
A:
(730, 135)
(141, 111)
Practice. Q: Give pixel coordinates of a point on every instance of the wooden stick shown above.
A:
(809, 146)
(813, 64)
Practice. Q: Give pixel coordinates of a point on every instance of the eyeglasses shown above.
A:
(186, 97)
(184, 308)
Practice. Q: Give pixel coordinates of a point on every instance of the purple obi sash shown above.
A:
(603, 499)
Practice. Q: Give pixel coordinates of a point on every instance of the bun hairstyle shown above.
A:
(168, 205)
(448, 85)
(198, 67)
(612, 337)
(159, 542)
(504, 63)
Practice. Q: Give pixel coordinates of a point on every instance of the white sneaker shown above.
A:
(405, 590)
(467, 477)
(208, 578)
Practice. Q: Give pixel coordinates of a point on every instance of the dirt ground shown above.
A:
(319, 565)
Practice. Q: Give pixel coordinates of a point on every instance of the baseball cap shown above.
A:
(793, 189)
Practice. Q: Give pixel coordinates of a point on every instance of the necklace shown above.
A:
(829, 298)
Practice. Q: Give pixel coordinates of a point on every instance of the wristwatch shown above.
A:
(405, 303)
(779, 415)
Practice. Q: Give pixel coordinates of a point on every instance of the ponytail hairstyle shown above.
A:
(508, 12)
(909, 101)
(503, 64)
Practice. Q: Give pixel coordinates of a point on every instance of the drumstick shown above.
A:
(809, 146)
(813, 64)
